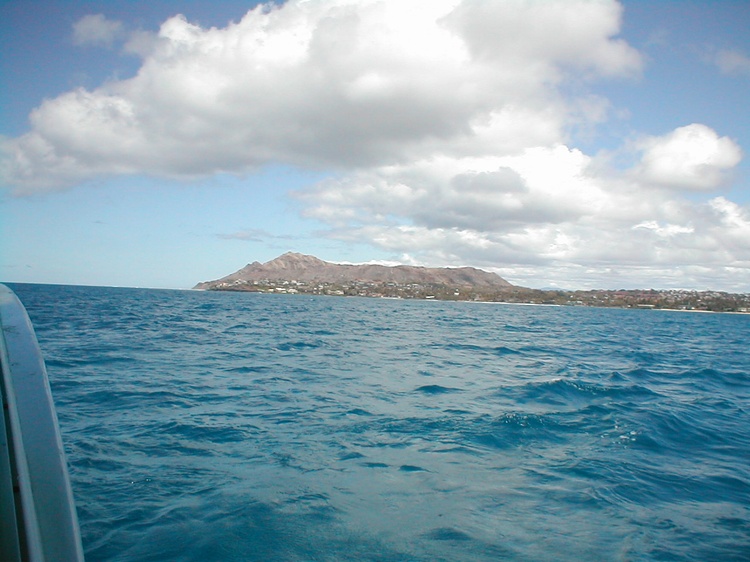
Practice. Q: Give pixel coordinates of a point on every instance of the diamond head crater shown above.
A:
(295, 273)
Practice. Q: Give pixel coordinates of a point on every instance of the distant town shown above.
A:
(294, 273)
(709, 301)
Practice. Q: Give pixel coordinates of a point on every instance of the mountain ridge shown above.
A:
(298, 273)
(293, 266)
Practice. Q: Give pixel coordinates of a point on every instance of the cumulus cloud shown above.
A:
(96, 29)
(501, 193)
(328, 84)
(547, 35)
(540, 214)
(692, 157)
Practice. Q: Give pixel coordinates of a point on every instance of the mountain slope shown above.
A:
(303, 268)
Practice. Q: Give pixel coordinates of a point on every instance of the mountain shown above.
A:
(302, 268)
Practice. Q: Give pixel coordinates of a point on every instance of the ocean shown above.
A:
(205, 426)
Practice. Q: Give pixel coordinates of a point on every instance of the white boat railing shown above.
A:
(38, 521)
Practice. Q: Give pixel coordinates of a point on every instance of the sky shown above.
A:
(571, 144)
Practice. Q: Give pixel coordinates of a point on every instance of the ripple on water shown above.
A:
(215, 426)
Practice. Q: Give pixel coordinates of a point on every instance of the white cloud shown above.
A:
(500, 193)
(327, 84)
(692, 157)
(732, 63)
(254, 235)
(537, 217)
(543, 36)
(95, 29)
(666, 230)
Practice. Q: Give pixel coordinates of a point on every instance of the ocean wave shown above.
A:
(206, 426)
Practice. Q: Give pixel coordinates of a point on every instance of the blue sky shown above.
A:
(563, 143)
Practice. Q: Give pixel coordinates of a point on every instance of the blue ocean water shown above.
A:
(206, 426)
